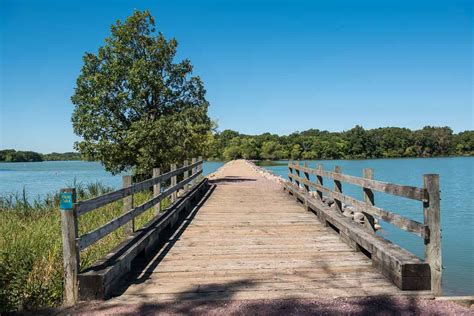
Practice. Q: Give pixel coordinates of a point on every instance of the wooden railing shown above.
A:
(72, 210)
(429, 195)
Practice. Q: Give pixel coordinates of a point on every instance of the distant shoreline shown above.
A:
(12, 155)
(266, 163)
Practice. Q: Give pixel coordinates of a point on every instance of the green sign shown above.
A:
(65, 201)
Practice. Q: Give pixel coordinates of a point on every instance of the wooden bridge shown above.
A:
(240, 235)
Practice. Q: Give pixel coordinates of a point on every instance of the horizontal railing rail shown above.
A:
(91, 237)
(406, 191)
(400, 221)
(429, 230)
(84, 207)
(71, 211)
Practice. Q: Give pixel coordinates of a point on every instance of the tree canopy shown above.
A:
(135, 108)
(356, 143)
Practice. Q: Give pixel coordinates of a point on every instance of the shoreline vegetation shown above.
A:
(312, 144)
(12, 155)
(31, 263)
(356, 143)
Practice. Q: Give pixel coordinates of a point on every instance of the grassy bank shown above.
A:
(31, 251)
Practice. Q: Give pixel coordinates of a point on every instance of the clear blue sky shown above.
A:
(275, 66)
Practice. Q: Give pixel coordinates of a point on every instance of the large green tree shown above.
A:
(134, 106)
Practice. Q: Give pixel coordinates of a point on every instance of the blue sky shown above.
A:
(276, 66)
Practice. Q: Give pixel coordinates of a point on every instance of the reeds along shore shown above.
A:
(31, 264)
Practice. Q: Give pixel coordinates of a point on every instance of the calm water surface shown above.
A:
(41, 178)
(457, 193)
(457, 208)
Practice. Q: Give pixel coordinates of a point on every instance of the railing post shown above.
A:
(306, 187)
(193, 170)
(69, 233)
(432, 218)
(306, 176)
(319, 180)
(186, 175)
(297, 171)
(200, 167)
(129, 228)
(369, 199)
(290, 170)
(174, 181)
(157, 189)
(338, 189)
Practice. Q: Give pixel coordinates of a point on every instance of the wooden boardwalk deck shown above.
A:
(249, 240)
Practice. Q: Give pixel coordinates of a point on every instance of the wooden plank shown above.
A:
(406, 191)
(157, 189)
(186, 175)
(369, 200)
(84, 207)
(193, 170)
(306, 175)
(128, 205)
(312, 272)
(290, 169)
(297, 171)
(91, 237)
(251, 285)
(174, 180)
(200, 167)
(69, 231)
(165, 279)
(337, 189)
(432, 218)
(306, 187)
(402, 222)
(319, 181)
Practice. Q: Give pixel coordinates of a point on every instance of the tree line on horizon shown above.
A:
(356, 143)
(12, 155)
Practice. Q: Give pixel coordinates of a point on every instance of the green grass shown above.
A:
(31, 264)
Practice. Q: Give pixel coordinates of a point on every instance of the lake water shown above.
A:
(457, 208)
(41, 178)
(457, 193)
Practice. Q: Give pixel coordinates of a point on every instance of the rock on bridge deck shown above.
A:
(249, 240)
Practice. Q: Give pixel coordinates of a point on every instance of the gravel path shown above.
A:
(340, 306)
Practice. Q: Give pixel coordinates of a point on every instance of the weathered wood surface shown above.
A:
(403, 268)
(91, 237)
(128, 205)
(100, 279)
(157, 189)
(249, 240)
(432, 216)
(84, 207)
(406, 191)
(69, 232)
(400, 221)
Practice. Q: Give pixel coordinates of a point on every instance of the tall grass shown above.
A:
(31, 264)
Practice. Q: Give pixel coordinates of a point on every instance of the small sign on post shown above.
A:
(66, 201)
